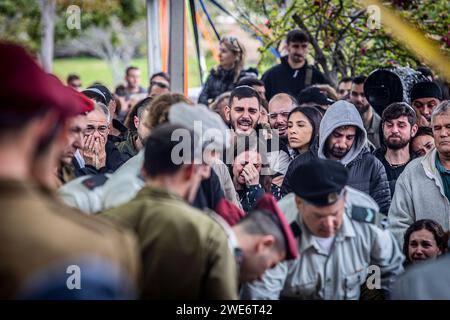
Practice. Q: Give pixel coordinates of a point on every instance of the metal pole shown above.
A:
(176, 45)
(153, 40)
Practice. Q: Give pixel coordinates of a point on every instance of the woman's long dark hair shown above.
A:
(314, 117)
(435, 228)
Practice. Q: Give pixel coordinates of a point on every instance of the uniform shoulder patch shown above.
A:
(95, 181)
(363, 214)
(296, 229)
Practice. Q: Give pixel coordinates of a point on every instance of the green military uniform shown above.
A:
(127, 146)
(37, 230)
(184, 252)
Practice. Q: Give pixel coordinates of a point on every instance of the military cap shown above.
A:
(320, 182)
(26, 89)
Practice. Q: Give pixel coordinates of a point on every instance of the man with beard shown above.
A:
(243, 113)
(371, 119)
(243, 110)
(425, 96)
(399, 127)
(294, 73)
(136, 138)
(342, 138)
(423, 189)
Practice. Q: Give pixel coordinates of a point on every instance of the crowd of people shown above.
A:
(282, 187)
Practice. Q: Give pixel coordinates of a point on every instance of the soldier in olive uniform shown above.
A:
(338, 241)
(185, 253)
(40, 235)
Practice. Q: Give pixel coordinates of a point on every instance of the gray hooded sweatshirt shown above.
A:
(366, 172)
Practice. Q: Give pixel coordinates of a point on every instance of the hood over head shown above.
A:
(342, 113)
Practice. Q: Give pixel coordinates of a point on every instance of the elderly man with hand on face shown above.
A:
(100, 155)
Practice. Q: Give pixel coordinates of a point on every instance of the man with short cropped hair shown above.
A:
(399, 127)
(371, 119)
(423, 189)
(294, 73)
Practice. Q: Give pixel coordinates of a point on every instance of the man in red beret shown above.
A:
(37, 230)
(262, 239)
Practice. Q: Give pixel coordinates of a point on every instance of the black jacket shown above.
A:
(282, 78)
(366, 173)
(209, 193)
(114, 159)
(218, 82)
(392, 172)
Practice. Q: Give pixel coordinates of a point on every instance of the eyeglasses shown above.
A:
(91, 129)
(159, 84)
(274, 115)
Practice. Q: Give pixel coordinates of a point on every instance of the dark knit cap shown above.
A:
(426, 89)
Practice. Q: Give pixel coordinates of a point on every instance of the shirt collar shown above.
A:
(307, 241)
(439, 166)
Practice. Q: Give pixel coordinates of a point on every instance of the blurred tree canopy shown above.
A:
(20, 20)
(345, 42)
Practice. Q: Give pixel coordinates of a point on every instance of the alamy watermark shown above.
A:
(74, 279)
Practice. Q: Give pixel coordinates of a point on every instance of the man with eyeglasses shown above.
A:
(371, 119)
(425, 96)
(279, 108)
(100, 155)
(294, 73)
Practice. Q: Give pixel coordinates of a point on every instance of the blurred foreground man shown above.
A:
(41, 237)
(184, 252)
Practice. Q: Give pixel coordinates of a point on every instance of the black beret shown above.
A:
(426, 89)
(319, 181)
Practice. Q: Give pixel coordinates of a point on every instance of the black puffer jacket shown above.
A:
(366, 173)
(220, 81)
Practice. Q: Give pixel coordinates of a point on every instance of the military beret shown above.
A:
(268, 203)
(320, 181)
(427, 89)
(26, 89)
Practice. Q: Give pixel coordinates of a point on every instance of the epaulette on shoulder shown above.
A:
(95, 181)
(296, 229)
(363, 214)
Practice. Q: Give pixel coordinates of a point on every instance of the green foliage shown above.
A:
(342, 42)
(20, 19)
(18, 22)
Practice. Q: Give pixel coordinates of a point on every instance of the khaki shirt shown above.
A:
(185, 253)
(37, 231)
(337, 275)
